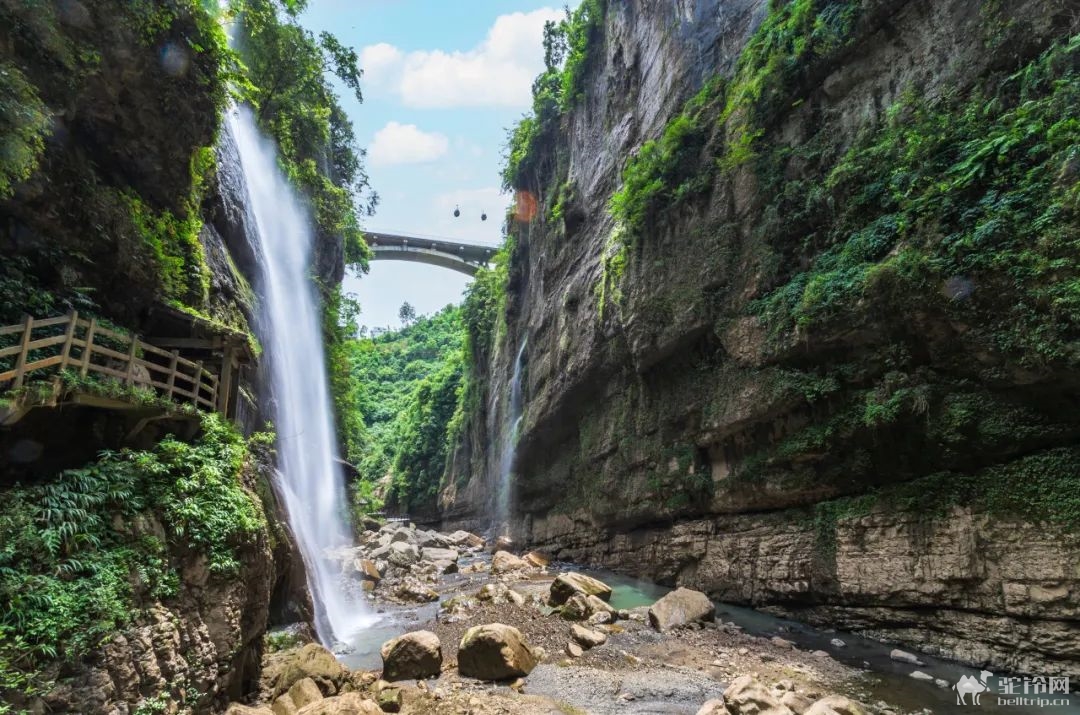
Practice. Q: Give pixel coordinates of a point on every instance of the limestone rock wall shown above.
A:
(672, 435)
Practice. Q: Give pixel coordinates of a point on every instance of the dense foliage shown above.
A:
(568, 49)
(978, 216)
(287, 69)
(142, 221)
(81, 553)
(408, 382)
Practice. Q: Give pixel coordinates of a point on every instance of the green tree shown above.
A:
(407, 314)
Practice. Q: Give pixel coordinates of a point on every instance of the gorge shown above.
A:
(786, 314)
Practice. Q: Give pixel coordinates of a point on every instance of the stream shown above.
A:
(884, 678)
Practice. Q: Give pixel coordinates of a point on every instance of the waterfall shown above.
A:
(506, 464)
(289, 328)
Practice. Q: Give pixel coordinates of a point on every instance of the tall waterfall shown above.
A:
(289, 330)
(506, 460)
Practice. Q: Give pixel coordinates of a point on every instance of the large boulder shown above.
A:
(681, 606)
(414, 591)
(347, 704)
(587, 637)
(445, 560)
(367, 569)
(713, 707)
(567, 584)
(312, 661)
(304, 692)
(747, 696)
(245, 710)
(403, 553)
(505, 562)
(836, 705)
(463, 539)
(495, 652)
(413, 656)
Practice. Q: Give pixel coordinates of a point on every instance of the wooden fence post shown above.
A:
(225, 380)
(198, 382)
(20, 363)
(65, 354)
(130, 379)
(88, 347)
(172, 374)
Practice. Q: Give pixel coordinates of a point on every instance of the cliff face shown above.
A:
(807, 362)
(115, 201)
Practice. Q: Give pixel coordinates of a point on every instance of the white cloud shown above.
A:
(406, 144)
(497, 72)
(381, 63)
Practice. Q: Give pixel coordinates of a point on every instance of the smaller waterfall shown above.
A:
(501, 525)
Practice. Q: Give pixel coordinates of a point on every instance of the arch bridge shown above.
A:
(462, 257)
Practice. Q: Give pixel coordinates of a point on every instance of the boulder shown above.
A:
(747, 696)
(312, 661)
(919, 675)
(904, 657)
(413, 656)
(403, 553)
(304, 692)
(713, 707)
(437, 554)
(245, 710)
(837, 643)
(836, 705)
(416, 592)
(567, 584)
(796, 702)
(347, 704)
(537, 559)
(367, 569)
(389, 700)
(403, 535)
(495, 652)
(284, 706)
(600, 618)
(465, 539)
(503, 543)
(576, 608)
(505, 562)
(782, 643)
(680, 607)
(587, 637)
(574, 650)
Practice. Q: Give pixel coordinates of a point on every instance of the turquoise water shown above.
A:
(886, 679)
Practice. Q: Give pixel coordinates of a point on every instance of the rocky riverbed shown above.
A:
(506, 633)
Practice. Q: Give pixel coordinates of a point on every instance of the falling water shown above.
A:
(506, 463)
(289, 329)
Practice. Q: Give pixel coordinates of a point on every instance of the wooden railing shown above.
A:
(86, 347)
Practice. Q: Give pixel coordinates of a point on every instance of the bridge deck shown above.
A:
(462, 257)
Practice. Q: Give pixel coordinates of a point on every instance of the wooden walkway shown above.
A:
(44, 348)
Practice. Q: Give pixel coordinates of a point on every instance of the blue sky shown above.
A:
(442, 83)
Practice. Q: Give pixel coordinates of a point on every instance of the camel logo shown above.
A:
(968, 685)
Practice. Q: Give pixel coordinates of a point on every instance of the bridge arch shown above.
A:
(462, 257)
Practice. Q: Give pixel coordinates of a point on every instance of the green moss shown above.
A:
(1038, 488)
(616, 255)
